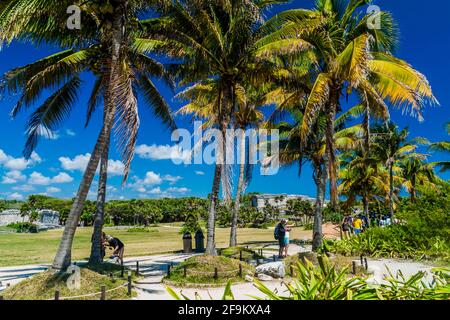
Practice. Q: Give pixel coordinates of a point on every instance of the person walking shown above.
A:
(346, 226)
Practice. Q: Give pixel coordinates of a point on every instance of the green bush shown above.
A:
(423, 231)
(142, 229)
(23, 227)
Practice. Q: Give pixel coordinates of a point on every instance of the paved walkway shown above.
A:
(153, 268)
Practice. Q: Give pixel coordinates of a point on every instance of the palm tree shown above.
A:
(362, 174)
(348, 55)
(442, 146)
(214, 40)
(295, 151)
(416, 172)
(202, 102)
(392, 147)
(119, 71)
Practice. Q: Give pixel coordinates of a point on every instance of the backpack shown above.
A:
(275, 233)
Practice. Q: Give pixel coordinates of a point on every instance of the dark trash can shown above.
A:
(187, 243)
(199, 242)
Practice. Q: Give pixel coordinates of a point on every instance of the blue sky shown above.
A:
(56, 168)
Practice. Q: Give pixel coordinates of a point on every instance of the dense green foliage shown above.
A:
(23, 227)
(423, 231)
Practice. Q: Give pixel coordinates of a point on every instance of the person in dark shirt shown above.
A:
(117, 245)
(281, 232)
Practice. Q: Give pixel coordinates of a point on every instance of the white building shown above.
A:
(11, 216)
(46, 217)
(277, 200)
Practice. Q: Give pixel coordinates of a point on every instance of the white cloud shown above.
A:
(12, 177)
(70, 133)
(25, 188)
(18, 164)
(171, 179)
(37, 178)
(15, 196)
(7, 180)
(199, 173)
(53, 190)
(178, 190)
(162, 152)
(80, 162)
(152, 178)
(115, 167)
(62, 177)
(155, 191)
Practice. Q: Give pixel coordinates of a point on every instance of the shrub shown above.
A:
(23, 227)
(142, 229)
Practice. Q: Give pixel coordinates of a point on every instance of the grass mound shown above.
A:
(339, 262)
(201, 270)
(234, 253)
(43, 285)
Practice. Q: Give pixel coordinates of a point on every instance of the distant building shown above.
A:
(46, 217)
(11, 216)
(277, 200)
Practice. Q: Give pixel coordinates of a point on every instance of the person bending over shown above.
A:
(117, 245)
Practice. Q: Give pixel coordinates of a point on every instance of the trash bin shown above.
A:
(187, 242)
(199, 242)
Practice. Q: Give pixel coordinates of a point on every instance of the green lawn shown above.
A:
(19, 249)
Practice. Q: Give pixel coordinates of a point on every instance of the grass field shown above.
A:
(19, 249)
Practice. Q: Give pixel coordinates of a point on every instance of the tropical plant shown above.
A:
(417, 172)
(392, 147)
(442, 146)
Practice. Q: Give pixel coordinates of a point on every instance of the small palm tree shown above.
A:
(443, 146)
(392, 147)
(416, 172)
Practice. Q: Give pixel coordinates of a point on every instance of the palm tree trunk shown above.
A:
(391, 189)
(366, 125)
(96, 247)
(413, 189)
(320, 178)
(235, 214)
(64, 254)
(366, 205)
(330, 145)
(210, 238)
